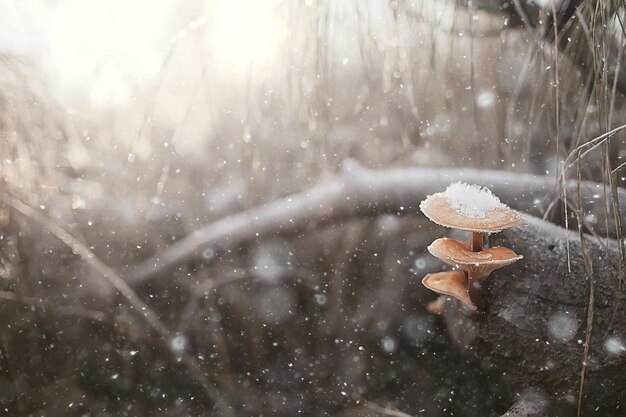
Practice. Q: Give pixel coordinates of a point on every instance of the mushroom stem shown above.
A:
(472, 291)
(477, 241)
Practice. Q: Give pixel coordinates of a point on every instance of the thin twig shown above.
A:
(525, 409)
(386, 410)
(594, 143)
(620, 166)
(62, 310)
(590, 309)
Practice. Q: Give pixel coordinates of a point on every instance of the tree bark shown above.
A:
(538, 318)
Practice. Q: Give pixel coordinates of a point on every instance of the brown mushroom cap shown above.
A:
(450, 283)
(478, 264)
(437, 306)
(447, 209)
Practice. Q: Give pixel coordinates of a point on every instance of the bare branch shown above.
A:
(359, 192)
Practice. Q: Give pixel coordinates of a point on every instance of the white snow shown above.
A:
(179, 343)
(472, 200)
(615, 346)
(548, 4)
(562, 327)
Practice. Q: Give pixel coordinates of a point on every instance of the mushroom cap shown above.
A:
(437, 306)
(452, 284)
(469, 207)
(479, 264)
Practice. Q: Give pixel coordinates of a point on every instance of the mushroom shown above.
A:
(437, 306)
(478, 265)
(475, 209)
(450, 283)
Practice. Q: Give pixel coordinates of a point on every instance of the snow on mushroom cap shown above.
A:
(470, 207)
(472, 200)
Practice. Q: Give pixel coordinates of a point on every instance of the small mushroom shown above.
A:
(478, 265)
(450, 283)
(437, 306)
(476, 209)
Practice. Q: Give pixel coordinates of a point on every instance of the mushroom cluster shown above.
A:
(475, 209)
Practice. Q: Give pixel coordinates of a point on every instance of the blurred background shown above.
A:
(130, 124)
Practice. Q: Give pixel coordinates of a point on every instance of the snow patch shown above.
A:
(548, 4)
(472, 200)
(615, 346)
(562, 327)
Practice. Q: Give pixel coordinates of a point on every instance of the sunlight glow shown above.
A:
(244, 32)
(109, 50)
(105, 48)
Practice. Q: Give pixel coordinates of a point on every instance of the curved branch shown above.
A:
(358, 191)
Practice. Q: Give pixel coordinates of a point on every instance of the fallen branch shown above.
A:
(362, 192)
